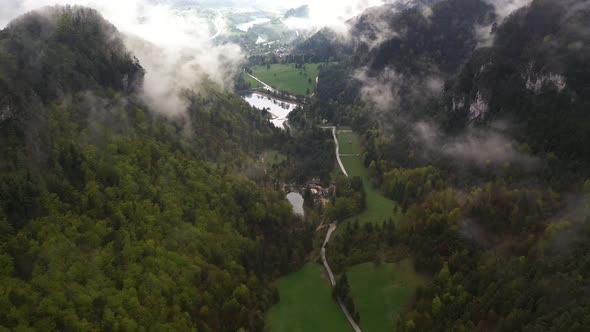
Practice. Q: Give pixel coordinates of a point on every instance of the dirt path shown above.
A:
(266, 86)
(337, 150)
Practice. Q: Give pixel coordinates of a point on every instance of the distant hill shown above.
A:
(60, 50)
(300, 12)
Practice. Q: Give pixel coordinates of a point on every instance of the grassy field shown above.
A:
(306, 304)
(286, 77)
(379, 208)
(381, 293)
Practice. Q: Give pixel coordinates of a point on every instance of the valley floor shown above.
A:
(379, 208)
(306, 303)
(286, 77)
(380, 292)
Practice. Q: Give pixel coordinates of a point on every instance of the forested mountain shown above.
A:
(410, 52)
(113, 217)
(476, 125)
(433, 65)
(537, 74)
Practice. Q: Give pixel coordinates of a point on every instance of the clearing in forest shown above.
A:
(306, 303)
(287, 77)
(381, 293)
(379, 208)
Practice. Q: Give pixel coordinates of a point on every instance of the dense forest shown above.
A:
(489, 167)
(113, 217)
(116, 217)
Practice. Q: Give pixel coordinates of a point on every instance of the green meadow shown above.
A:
(381, 293)
(286, 77)
(306, 303)
(379, 208)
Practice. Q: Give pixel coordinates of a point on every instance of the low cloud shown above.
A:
(333, 14)
(506, 7)
(503, 9)
(381, 90)
(171, 72)
(173, 45)
(567, 226)
(388, 90)
(480, 146)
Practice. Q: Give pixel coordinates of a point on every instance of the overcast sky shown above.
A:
(323, 12)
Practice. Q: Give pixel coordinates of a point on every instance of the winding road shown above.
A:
(331, 230)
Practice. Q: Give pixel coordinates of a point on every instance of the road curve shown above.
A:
(331, 230)
(324, 260)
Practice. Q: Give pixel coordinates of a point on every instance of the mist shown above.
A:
(506, 7)
(173, 45)
(479, 146)
(381, 90)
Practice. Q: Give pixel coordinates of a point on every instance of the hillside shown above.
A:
(113, 217)
(537, 74)
(476, 125)
(461, 203)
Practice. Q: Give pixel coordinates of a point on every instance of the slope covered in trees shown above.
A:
(537, 73)
(115, 218)
(484, 146)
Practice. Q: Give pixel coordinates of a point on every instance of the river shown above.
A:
(277, 108)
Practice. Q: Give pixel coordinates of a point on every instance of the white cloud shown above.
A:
(505, 7)
(173, 45)
(331, 13)
(481, 146)
(178, 53)
(381, 90)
